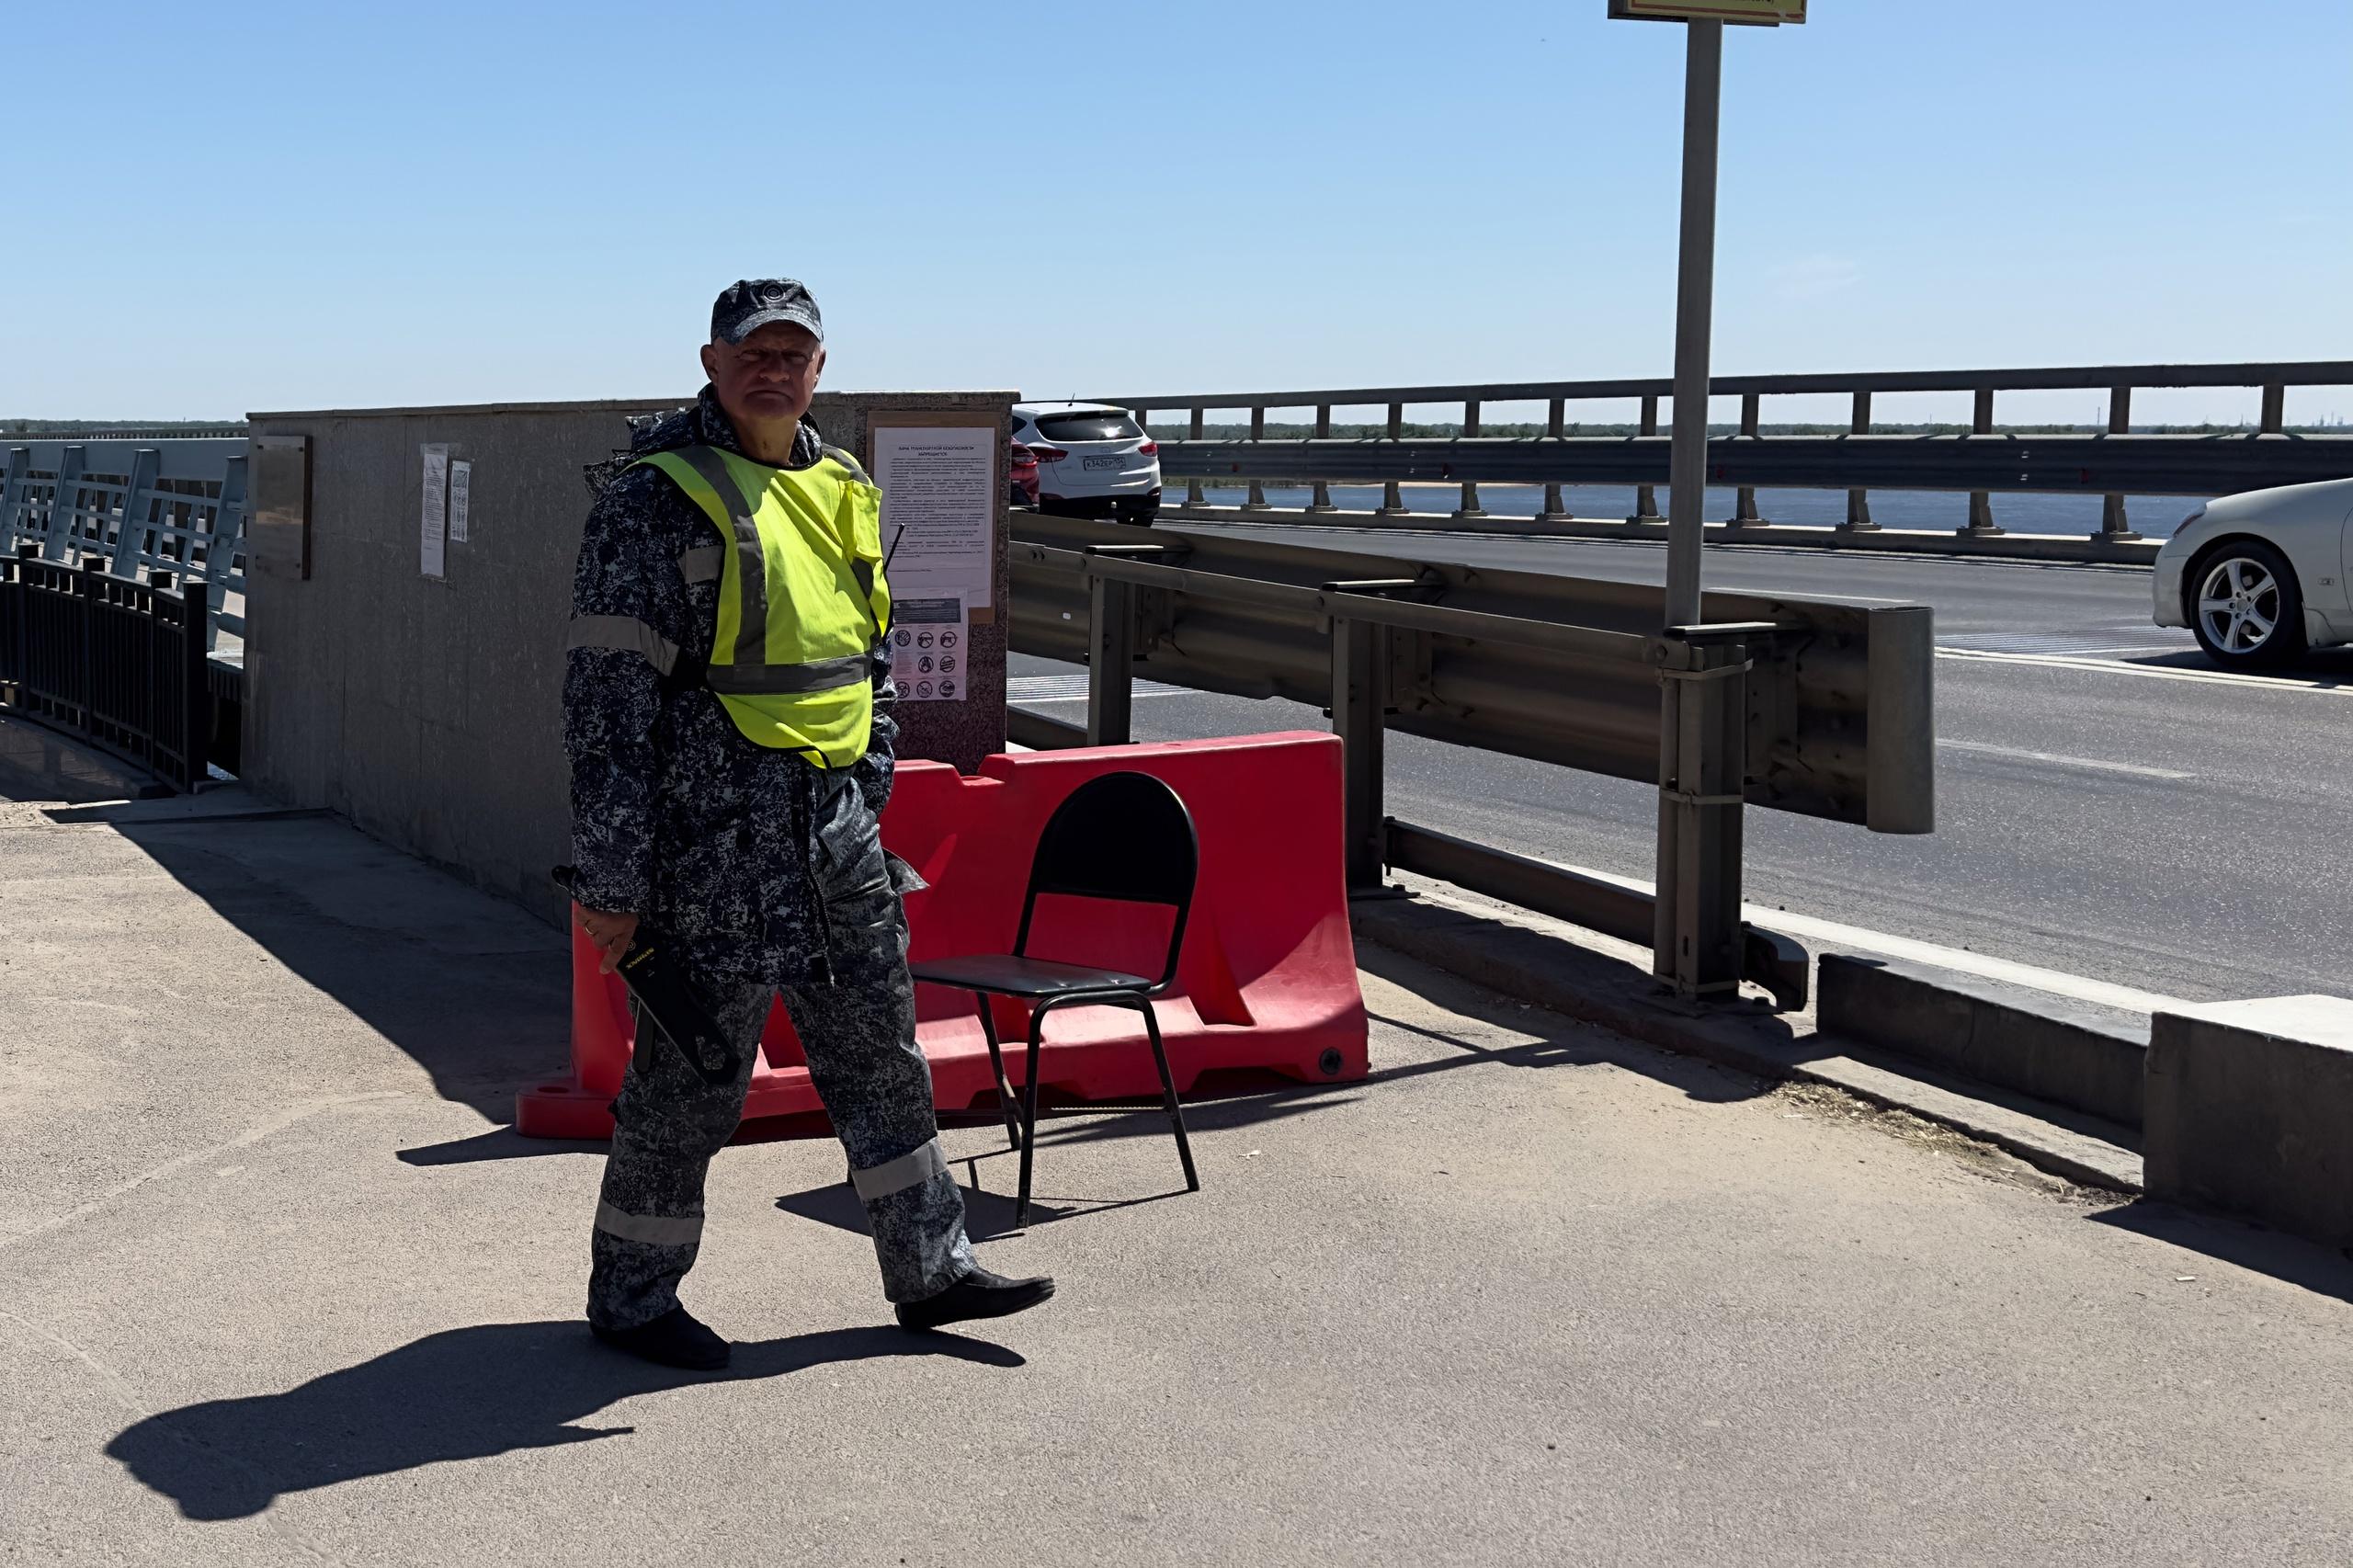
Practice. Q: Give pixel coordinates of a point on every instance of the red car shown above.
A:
(1023, 468)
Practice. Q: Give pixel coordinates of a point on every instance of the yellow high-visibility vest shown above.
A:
(802, 604)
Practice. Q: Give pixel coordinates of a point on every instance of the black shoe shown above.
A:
(674, 1339)
(979, 1294)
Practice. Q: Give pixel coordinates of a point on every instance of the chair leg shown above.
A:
(1030, 1112)
(997, 1062)
(1168, 1089)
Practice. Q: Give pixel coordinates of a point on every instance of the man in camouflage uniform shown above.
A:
(763, 874)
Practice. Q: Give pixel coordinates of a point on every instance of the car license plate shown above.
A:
(1106, 462)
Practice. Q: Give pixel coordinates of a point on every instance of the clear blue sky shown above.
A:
(227, 207)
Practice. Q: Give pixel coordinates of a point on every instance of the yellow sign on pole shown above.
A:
(1755, 13)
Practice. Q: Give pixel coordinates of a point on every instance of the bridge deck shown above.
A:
(280, 1290)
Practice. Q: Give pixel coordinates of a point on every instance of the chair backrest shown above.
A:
(1124, 836)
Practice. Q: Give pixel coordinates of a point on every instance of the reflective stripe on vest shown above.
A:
(801, 601)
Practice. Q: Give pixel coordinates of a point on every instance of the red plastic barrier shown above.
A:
(1267, 978)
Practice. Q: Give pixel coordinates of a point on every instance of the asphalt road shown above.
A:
(2109, 805)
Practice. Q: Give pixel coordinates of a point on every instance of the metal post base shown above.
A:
(1698, 939)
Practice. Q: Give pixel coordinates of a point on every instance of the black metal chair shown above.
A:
(1125, 837)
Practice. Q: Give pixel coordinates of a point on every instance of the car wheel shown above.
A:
(2245, 607)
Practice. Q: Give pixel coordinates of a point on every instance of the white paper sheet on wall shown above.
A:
(433, 554)
(938, 510)
(461, 484)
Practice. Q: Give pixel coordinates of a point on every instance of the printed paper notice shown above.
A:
(461, 484)
(938, 510)
(929, 638)
(436, 509)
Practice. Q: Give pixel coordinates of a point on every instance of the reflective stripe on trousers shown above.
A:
(653, 1230)
(897, 1175)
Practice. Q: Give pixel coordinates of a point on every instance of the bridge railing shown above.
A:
(135, 506)
(1983, 461)
(120, 660)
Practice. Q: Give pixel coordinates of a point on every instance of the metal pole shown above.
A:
(1360, 708)
(1193, 496)
(1704, 764)
(1694, 309)
(196, 694)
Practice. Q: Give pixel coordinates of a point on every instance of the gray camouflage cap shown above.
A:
(743, 308)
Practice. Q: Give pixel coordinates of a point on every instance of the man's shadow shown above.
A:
(463, 1394)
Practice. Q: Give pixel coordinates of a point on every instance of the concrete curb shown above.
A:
(1555, 967)
(2072, 1053)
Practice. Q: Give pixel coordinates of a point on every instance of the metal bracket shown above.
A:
(1722, 672)
(1373, 586)
(1369, 588)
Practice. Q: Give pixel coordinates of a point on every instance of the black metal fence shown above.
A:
(119, 662)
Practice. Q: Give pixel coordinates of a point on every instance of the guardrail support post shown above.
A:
(1321, 500)
(15, 501)
(1981, 502)
(1858, 501)
(137, 498)
(220, 547)
(1703, 767)
(1359, 717)
(2275, 410)
(1193, 496)
(1646, 495)
(1392, 499)
(1555, 509)
(1469, 506)
(1258, 502)
(1745, 514)
(1111, 661)
(57, 528)
(2114, 526)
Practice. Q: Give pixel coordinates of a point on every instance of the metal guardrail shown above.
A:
(1838, 715)
(1982, 462)
(192, 433)
(176, 505)
(119, 662)
(1808, 706)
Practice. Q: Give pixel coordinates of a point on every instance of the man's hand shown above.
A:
(610, 934)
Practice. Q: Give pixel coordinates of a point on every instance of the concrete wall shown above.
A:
(426, 711)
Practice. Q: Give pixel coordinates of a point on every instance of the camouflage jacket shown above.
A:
(675, 816)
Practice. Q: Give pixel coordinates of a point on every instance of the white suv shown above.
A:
(1093, 460)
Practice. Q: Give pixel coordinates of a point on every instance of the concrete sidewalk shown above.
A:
(276, 1288)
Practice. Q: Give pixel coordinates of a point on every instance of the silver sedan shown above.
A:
(2261, 577)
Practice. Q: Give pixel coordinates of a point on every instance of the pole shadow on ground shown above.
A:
(2240, 1243)
(465, 1393)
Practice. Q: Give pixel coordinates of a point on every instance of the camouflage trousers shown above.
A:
(859, 1033)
